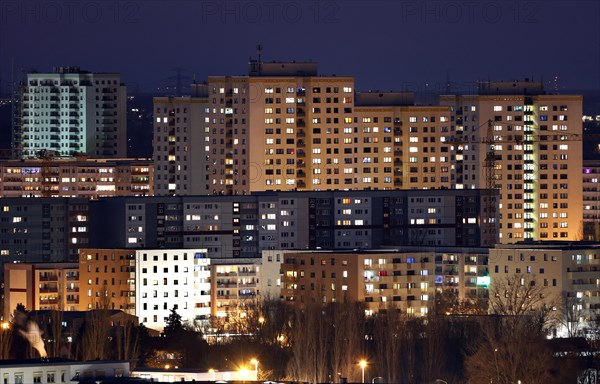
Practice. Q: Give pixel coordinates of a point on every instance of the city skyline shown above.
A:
(489, 40)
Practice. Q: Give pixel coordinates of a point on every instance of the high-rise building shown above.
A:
(284, 127)
(180, 161)
(591, 200)
(514, 137)
(71, 111)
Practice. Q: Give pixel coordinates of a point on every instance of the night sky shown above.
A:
(384, 44)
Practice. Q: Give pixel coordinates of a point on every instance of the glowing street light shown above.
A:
(212, 373)
(363, 365)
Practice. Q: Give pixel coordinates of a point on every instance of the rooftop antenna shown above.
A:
(259, 49)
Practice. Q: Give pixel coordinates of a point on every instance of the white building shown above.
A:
(178, 375)
(171, 278)
(60, 371)
(71, 111)
(270, 273)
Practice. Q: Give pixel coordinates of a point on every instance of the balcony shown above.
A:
(48, 277)
(49, 290)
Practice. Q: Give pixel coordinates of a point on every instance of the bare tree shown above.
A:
(56, 330)
(521, 300)
(348, 323)
(508, 359)
(310, 346)
(514, 343)
(573, 315)
(95, 338)
(128, 343)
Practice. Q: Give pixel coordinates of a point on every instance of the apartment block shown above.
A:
(70, 111)
(402, 279)
(76, 177)
(243, 226)
(569, 273)
(171, 279)
(43, 229)
(40, 286)
(285, 127)
(235, 286)
(271, 273)
(107, 279)
(181, 166)
(529, 144)
(591, 200)
(61, 370)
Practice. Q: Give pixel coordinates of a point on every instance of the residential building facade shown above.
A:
(243, 226)
(567, 271)
(167, 280)
(531, 148)
(591, 200)
(43, 229)
(402, 279)
(41, 286)
(76, 177)
(70, 111)
(107, 279)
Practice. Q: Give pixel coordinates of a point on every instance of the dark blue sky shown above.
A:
(385, 44)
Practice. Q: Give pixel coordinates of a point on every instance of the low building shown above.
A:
(405, 279)
(270, 273)
(173, 374)
(234, 284)
(167, 279)
(107, 279)
(76, 177)
(61, 371)
(41, 286)
(568, 271)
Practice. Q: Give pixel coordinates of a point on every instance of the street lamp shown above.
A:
(363, 365)
(255, 362)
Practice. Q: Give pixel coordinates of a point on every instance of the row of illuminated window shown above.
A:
(425, 119)
(314, 90)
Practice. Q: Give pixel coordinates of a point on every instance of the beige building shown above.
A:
(234, 283)
(535, 141)
(284, 127)
(76, 177)
(41, 286)
(405, 279)
(568, 271)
